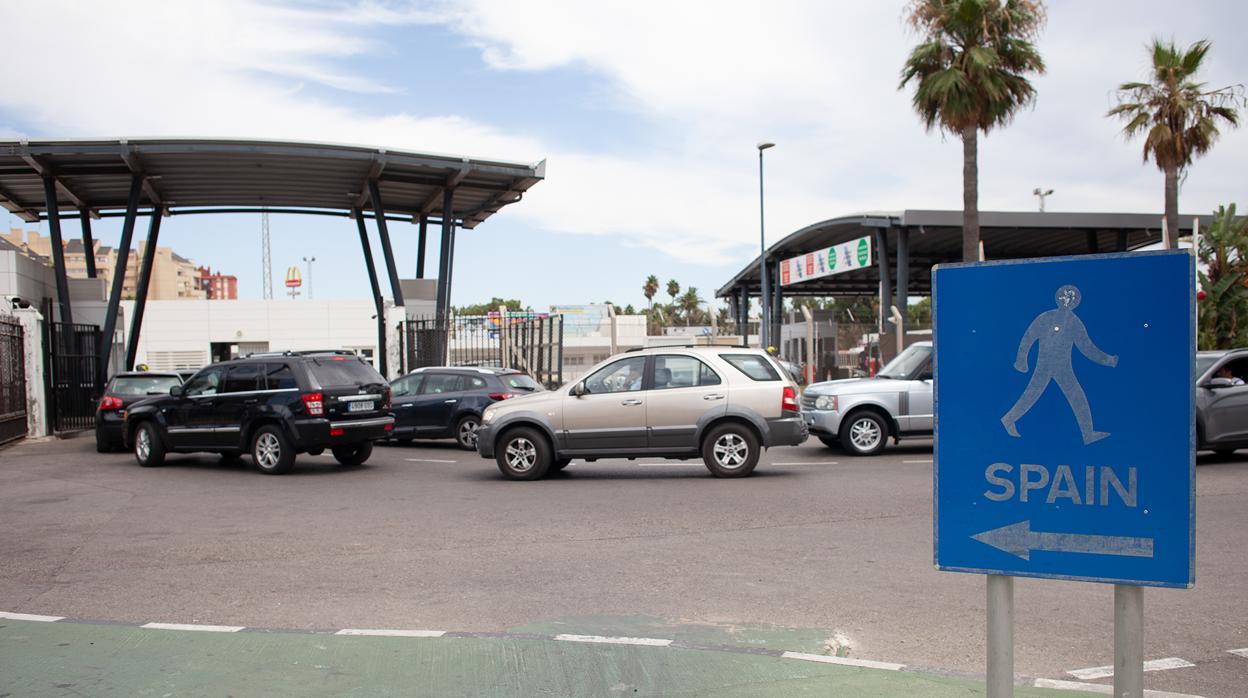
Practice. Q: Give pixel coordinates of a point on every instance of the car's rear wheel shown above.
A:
(523, 454)
(466, 432)
(231, 457)
(149, 451)
(830, 441)
(864, 434)
(271, 451)
(730, 450)
(355, 454)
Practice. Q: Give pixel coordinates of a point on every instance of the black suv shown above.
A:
(447, 402)
(271, 405)
(122, 391)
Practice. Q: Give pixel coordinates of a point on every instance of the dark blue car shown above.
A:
(446, 403)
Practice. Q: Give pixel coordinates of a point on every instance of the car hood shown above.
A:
(854, 386)
(525, 402)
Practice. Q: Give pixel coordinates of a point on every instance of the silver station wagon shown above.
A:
(724, 404)
(862, 414)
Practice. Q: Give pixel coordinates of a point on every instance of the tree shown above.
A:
(689, 303)
(970, 76)
(673, 289)
(486, 308)
(920, 314)
(1223, 312)
(650, 288)
(848, 309)
(1178, 116)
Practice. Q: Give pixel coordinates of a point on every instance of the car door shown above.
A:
(683, 391)
(238, 397)
(403, 395)
(1226, 407)
(439, 395)
(919, 395)
(610, 415)
(193, 421)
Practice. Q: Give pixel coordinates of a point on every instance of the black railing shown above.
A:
(530, 342)
(12, 380)
(74, 383)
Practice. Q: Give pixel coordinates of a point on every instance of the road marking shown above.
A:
(1243, 652)
(1102, 688)
(31, 616)
(189, 626)
(929, 460)
(647, 641)
(392, 633)
(428, 460)
(807, 462)
(1104, 672)
(845, 661)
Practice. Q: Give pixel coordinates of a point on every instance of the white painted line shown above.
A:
(929, 460)
(392, 633)
(1102, 688)
(31, 616)
(844, 661)
(428, 460)
(807, 462)
(647, 641)
(189, 626)
(1104, 672)
(1242, 653)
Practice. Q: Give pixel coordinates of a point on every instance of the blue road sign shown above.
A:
(1065, 418)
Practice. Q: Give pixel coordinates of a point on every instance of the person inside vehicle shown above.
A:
(1225, 372)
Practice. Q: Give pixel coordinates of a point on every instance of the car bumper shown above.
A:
(823, 422)
(110, 429)
(322, 433)
(485, 441)
(786, 431)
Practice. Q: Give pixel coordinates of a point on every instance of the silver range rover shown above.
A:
(862, 414)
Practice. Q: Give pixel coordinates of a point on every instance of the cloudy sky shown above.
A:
(646, 112)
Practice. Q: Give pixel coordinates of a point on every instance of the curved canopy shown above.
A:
(221, 176)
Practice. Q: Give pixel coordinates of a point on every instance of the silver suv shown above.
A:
(723, 403)
(860, 414)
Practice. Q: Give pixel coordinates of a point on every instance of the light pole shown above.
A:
(1042, 194)
(764, 328)
(309, 261)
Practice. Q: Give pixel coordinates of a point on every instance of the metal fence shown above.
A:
(12, 380)
(530, 342)
(73, 380)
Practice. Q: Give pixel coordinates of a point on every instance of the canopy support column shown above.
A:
(140, 293)
(774, 332)
(119, 275)
(58, 250)
(378, 303)
(88, 243)
(420, 246)
(383, 232)
(903, 281)
(886, 300)
(446, 262)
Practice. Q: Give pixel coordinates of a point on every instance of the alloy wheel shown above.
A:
(865, 433)
(731, 451)
(468, 433)
(143, 444)
(521, 455)
(268, 450)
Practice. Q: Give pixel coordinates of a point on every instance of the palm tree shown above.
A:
(689, 303)
(1178, 116)
(673, 289)
(650, 288)
(970, 76)
(1223, 310)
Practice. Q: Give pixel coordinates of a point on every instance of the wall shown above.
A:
(22, 276)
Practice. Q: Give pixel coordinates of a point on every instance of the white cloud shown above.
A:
(706, 79)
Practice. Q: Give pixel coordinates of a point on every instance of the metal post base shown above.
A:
(1128, 641)
(1000, 636)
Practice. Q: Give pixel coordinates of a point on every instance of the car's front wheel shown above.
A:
(523, 454)
(355, 454)
(466, 432)
(730, 450)
(149, 451)
(864, 434)
(271, 451)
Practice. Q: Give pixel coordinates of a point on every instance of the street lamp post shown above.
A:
(764, 328)
(309, 261)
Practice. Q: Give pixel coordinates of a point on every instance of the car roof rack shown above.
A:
(303, 352)
(691, 346)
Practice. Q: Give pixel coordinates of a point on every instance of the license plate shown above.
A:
(359, 406)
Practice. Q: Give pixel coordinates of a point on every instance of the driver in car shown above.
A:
(1225, 372)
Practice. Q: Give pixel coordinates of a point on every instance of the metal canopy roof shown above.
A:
(935, 237)
(222, 176)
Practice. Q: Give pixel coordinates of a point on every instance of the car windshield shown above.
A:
(519, 381)
(907, 362)
(1204, 361)
(128, 386)
(340, 371)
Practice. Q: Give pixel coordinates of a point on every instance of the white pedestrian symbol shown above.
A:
(1059, 332)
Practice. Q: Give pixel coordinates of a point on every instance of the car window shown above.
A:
(675, 371)
(907, 362)
(1235, 369)
(623, 376)
(242, 378)
(519, 381)
(473, 383)
(407, 385)
(756, 367)
(338, 371)
(440, 383)
(129, 386)
(206, 382)
(279, 377)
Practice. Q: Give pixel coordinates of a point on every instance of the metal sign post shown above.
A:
(1065, 433)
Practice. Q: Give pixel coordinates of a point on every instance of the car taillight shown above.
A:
(314, 403)
(110, 403)
(500, 396)
(789, 402)
(337, 432)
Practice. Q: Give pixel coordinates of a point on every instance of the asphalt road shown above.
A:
(817, 544)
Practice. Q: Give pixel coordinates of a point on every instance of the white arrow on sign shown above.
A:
(1018, 539)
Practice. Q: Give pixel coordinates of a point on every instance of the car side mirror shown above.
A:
(176, 391)
(1214, 383)
(578, 389)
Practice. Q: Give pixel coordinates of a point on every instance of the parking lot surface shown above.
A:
(818, 553)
